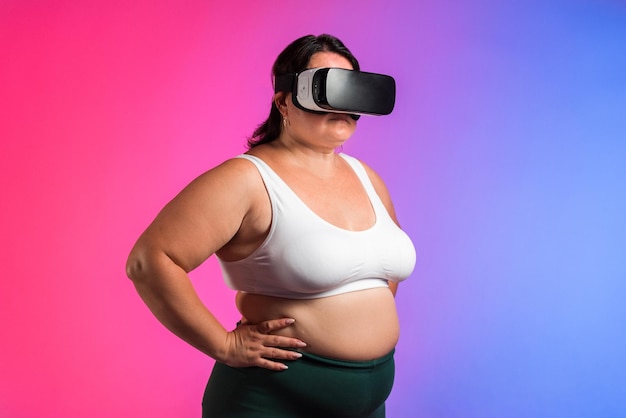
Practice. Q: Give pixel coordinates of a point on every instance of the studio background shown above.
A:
(505, 156)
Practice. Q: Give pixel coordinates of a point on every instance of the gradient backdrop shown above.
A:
(506, 157)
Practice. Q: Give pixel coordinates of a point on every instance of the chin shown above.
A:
(340, 140)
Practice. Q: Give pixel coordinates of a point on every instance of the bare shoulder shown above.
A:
(381, 189)
(227, 192)
(233, 174)
(377, 181)
(207, 213)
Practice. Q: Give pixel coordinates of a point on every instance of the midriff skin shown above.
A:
(361, 325)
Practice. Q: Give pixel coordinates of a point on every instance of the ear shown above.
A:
(280, 100)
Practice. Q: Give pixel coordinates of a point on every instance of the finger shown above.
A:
(275, 353)
(266, 327)
(272, 365)
(281, 341)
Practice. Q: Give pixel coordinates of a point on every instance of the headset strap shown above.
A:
(284, 82)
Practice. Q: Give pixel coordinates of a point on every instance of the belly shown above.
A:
(357, 326)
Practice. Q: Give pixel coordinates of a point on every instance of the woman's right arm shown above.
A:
(202, 219)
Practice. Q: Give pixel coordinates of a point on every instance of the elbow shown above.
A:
(137, 265)
(133, 268)
(146, 265)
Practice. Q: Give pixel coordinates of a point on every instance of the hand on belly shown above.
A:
(261, 345)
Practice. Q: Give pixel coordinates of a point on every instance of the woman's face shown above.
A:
(328, 130)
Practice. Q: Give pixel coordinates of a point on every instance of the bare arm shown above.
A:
(206, 216)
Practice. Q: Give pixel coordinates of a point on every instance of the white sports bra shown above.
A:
(306, 257)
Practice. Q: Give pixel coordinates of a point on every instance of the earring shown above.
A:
(285, 122)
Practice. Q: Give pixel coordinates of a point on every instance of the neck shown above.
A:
(317, 148)
(321, 161)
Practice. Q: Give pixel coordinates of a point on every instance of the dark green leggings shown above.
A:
(313, 386)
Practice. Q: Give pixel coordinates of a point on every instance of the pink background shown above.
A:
(505, 157)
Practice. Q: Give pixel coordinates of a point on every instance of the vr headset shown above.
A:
(336, 90)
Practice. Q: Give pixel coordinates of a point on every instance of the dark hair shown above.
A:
(295, 58)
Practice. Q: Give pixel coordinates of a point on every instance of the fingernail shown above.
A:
(301, 344)
(298, 355)
(284, 367)
(290, 321)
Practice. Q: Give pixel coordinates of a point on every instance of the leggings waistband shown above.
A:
(351, 364)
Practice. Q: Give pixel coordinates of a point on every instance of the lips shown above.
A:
(339, 116)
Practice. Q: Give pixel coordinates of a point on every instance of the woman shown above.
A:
(309, 239)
